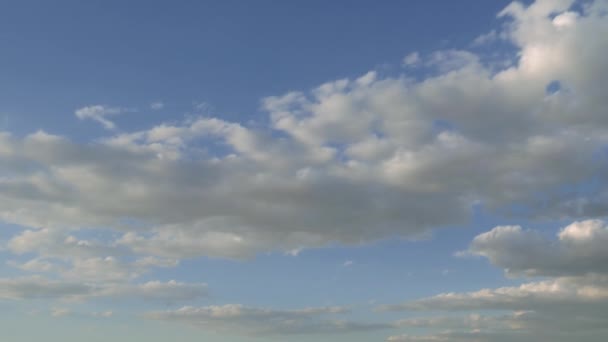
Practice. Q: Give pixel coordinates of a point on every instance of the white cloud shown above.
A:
(60, 312)
(157, 105)
(579, 248)
(486, 38)
(35, 265)
(349, 162)
(587, 293)
(100, 114)
(518, 326)
(108, 269)
(151, 261)
(59, 244)
(562, 309)
(567, 305)
(451, 60)
(157, 290)
(259, 321)
(411, 59)
(103, 314)
(36, 287)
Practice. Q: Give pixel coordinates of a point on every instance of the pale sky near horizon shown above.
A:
(242, 171)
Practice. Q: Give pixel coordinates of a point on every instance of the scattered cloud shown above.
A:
(486, 38)
(63, 312)
(562, 293)
(101, 114)
(412, 59)
(59, 312)
(260, 321)
(157, 105)
(348, 162)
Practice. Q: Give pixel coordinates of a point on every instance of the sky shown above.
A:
(414, 171)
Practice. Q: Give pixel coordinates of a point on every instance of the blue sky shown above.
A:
(303, 171)
(227, 54)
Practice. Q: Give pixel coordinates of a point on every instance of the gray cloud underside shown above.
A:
(580, 248)
(570, 303)
(351, 161)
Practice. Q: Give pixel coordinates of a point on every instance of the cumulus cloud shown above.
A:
(561, 309)
(59, 244)
(90, 260)
(260, 321)
(567, 305)
(100, 114)
(351, 161)
(579, 248)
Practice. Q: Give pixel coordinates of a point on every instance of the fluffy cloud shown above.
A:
(580, 248)
(59, 244)
(259, 321)
(560, 309)
(90, 260)
(349, 162)
(567, 305)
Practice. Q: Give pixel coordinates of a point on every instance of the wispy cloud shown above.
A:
(157, 105)
(101, 114)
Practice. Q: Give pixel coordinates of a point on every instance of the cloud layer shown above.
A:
(258, 321)
(568, 304)
(349, 162)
